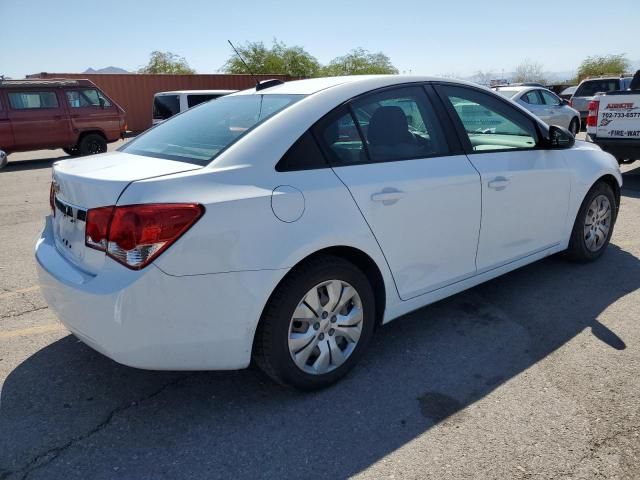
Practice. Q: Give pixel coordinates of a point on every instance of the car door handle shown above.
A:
(499, 183)
(388, 196)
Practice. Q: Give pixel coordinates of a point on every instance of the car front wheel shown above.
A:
(593, 226)
(316, 325)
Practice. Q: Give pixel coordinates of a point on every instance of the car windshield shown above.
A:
(506, 92)
(201, 133)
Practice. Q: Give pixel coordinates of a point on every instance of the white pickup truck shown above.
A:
(613, 122)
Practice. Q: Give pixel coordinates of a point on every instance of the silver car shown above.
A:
(544, 104)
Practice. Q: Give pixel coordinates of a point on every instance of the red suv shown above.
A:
(74, 115)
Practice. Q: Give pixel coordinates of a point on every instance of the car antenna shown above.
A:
(260, 85)
(244, 63)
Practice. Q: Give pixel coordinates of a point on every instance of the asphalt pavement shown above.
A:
(533, 375)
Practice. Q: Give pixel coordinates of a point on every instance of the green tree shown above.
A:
(602, 65)
(360, 62)
(529, 71)
(166, 62)
(280, 59)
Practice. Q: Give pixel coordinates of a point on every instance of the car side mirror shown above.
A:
(560, 137)
(101, 100)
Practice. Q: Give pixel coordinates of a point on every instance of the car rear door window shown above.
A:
(399, 124)
(549, 98)
(31, 100)
(340, 138)
(489, 123)
(391, 125)
(532, 98)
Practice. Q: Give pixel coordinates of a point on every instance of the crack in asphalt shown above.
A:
(35, 309)
(45, 458)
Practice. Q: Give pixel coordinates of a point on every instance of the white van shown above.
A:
(167, 104)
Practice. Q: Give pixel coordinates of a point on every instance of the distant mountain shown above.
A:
(106, 70)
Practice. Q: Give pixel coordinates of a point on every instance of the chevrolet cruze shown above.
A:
(286, 222)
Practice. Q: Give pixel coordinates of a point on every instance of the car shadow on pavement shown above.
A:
(68, 411)
(23, 165)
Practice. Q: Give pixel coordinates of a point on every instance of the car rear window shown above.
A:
(165, 106)
(507, 93)
(591, 87)
(203, 132)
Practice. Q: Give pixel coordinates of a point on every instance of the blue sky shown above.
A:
(422, 37)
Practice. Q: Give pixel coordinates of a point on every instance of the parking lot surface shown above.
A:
(533, 375)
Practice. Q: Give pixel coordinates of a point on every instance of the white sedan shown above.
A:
(286, 222)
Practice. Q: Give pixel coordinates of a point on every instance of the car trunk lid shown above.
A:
(85, 183)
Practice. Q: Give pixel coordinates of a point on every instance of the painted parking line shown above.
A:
(31, 331)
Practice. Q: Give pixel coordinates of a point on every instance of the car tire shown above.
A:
(72, 152)
(574, 126)
(281, 335)
(594, 224)
(92, 144)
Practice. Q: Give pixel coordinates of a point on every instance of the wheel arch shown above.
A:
(95, 131)
(613, 183)
(360, 259)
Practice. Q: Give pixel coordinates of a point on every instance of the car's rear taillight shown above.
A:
(592, 115)
(135, 235)
(97, 227)
(571, 102)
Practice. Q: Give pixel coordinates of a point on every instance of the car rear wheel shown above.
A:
(92, 144)
(574, 126)
(317, 324)
(593, 227)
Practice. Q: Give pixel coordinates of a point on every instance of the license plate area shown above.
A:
(69, 226)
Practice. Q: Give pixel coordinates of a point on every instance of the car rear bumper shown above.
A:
(621, 148)
(152, 320)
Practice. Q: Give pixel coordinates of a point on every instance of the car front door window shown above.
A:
(525, 190)
(488, 124)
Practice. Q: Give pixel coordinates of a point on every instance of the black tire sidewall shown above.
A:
(287, 301)
(576, 130)
(83, 146)
(578, 250)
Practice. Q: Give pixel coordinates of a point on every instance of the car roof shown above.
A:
(517, 88)
(40, 83)
(196, 92)
(314, 85)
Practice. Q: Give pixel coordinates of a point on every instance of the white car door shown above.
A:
(525, 189)
(421, 201)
